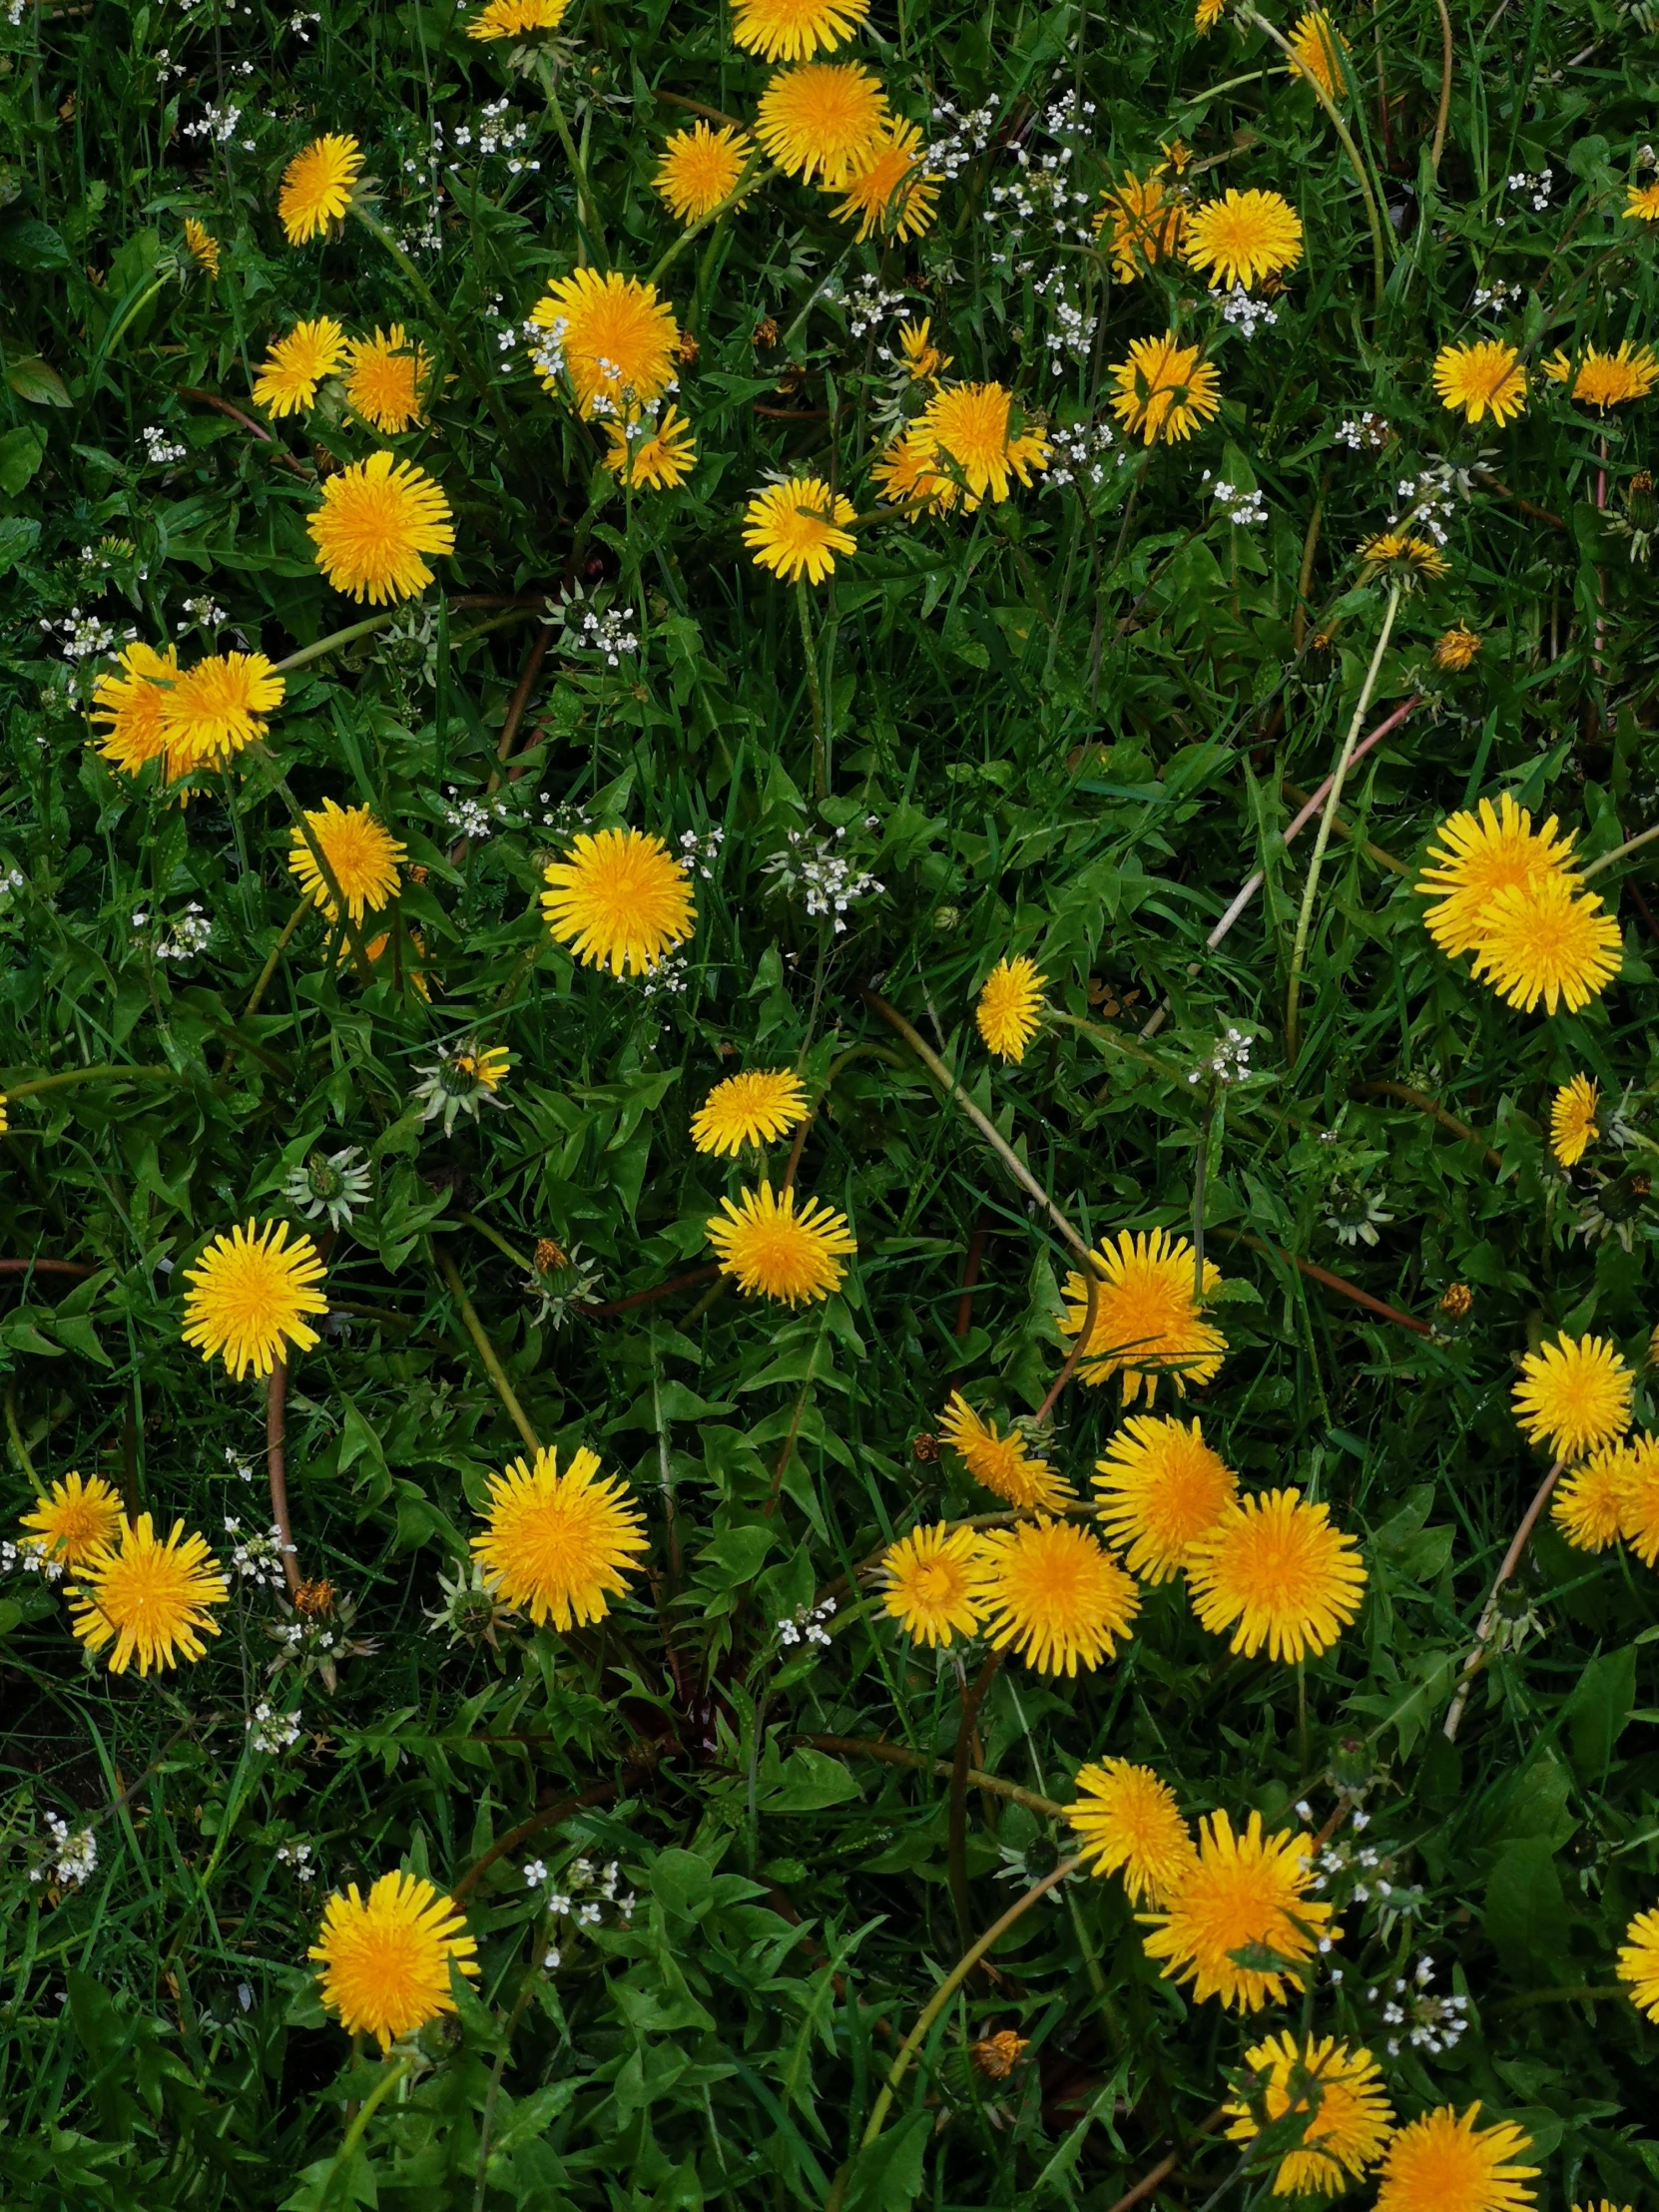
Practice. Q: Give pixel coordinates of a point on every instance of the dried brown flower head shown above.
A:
(925, 1447)
(314, 1599)
(1455, 1301)
(997, 2055)
(550, 1256)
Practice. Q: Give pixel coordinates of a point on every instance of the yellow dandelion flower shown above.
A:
(1274, 1570)
(249, 1296)
(148, 1599)
(978, 438)
(1147, 1321)
(1572, 1120)
(1004, 1466)
(796, 529)
(1483, 378)
(1207, 15)
(1606, 2205)
(5, 1118)
(1147, 217)
(1011, 1003)
(1542, 942)
(1130, 1825)
(1164, 389)
(1247, 1894)
(908, 474)
(363, 854)
(1243, 235)
(316, 185)
(922, 357)
(201, 245)
(1404, 553)
(216, 708)
(1161, 1489)
(751, 1108)
(1053, 1593)
(1639, 1498)
(1592, 1502)
(928, 1583)
(772, 1249)
(1607, 379)
(892, 191)
(652, 456)
(1476, 856)
(295, 366)
(74, 1519)
(517, 17)
(1638, 1962)
(561, 1546)
(1445, 2163)
(130, 706)
(1574, 1395)
(609, 338)
(699, 168)
(1641, 202)
(619, 900)
(376, 519)
(996, 2057)
(388, 379)
(386, 1960)
(821, 120)
(1456, 647)
(794, 30)
(1341, 2090)
(1322, 52)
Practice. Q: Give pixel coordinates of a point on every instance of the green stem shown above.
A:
(392, 2078)
(821, 743)
(331, 642)
(481, 384)
(485, 1350)
(32, 1086)
(749, 182)
(500, 1243)
(956, 1851)
(15, 1432)
(1619, 852)
(1304, 919)
(256, 994)
(588, 232)
(898, 1755)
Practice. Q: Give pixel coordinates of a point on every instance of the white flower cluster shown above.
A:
(272, 1732)
(1246, 316)
(189, 934)
(257, 1559)
(472, 817)
(205, 613)
(700, 852)
(1424, 502)
(499, 130)
(159, 449)
(85, 637)
(583, 1901)
(957, 138)
(29, 1558)
(71, 1855)
(807, 1625)
(1434, 2024)
(1537, 189)
(607, 629)
(294, 1634)
(1246, 510)
(1227, 1064)
(1073, 330)
(1075, 449)
(1498, 295)
(1067, 113)
(238, 1465)
(668, 979)
(866, 305)
(1373, 430)
(15, 11)
(296, 1855)
(220, 124)
(12, 880)
(826, 878)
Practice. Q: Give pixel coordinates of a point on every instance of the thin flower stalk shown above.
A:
(1489, 1616)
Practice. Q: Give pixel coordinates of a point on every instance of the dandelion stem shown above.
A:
(588, 232)
(20, 1449)
(33, 1085)
(1595, 868)
(500, 1243)
(276, 1436)
(485, 1350)
(1085, 1338)
(956, 1850)
(1165, 2167)
(277, 949)
(335, 640)
(391, 2077)
(821, 741)
(749, 182)
(900, 1755)
(1442, 115)
(1488, 1617)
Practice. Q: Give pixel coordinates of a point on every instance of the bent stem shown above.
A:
(1489, 1618)
(1298, 950)
(333, 642)
(485, 1350)
(276, 1464)
(392, 2078)
(1442, 115)
(1085, 1338)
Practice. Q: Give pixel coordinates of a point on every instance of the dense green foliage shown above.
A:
(1069, 726)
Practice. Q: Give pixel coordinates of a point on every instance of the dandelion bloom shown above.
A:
(1005, 1466)
(1130, 1825)
(927, 1582)
(376, 519)
(1243, 235)
(619, 900)
(651, 456)
(517, 17)
(751, 1108)
(385, 1961)
(1592, 1502)
(201, 245)
(1574, 1395)
(821, 120)
(796, 529)
(1247, 1892)
(1542, 942)
(699, 168)
(1161, 1489)
(361, 855)
(387, 378)
(216, 708)
(1009, 1004)
(316, 185)
(794, 30)
(148, 1599)
(1404, 553)
(559, 1546)
(1164, 389)
(1322, 52)
(249, 1296)
(978, 439)
(1572, 1120)
(1638, 1962)
(1273, 1565)
(1483, 378)
(909, 476)
(1147, 218)
(73, 1520)
(1207, 15)
(1607, 379)
(772, 1249)
(1147, 1320)
(295, 366)
(1639, 1498)
(130, 706)
(610, 337)
(1476, 856)
(1054, 1595)
(1341, 2090)
(1456, 647)
(892, 191)
(1641, 202)
(1443, 2163)
(922, 357)
(996, 2057)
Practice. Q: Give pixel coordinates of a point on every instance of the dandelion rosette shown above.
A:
(74, 1519)
(376, 519)
(1350, 2119)
(1130, 1825)
(316, 185)
(772, 1247)
(794, 30)
(249, 1295)
(699, 168)
(1444, 2162)
(796, 529)
(1274, 1570)
(386, 380)
(618, 900)
(386, 1958)
(1011, 1006)
(1473, 856)
(148, 1599)
(1245, 1894)
(821, 120)
(1003, 1465)
(1243, 237)
(1164, 391)
(361, 855)
(295, 365)
(751, 1108)
(927, 1582)
(559, 1546)
(1573, 1395)
(1485, 378)
(1161, 1489)
(1054, 1595)
(1147, 1324)
(610, 338)
(1572, 1120)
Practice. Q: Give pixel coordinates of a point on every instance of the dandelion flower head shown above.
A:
(1131, 1826)
(1350, 2119)
(73, 1520)
(1638, 1962)
(388, 379)
(1641, 202)
(1245, 1894)
(1242, 237)
(1147, 1322)
(1480, 379)
(973, 436)
(1639, 1497)
(794, 30)
(1405, 554)
(296, 364)
(1322, 52)
(1591, 1500)
(651, 455)
(1004, 1466)
(1456, 647)
(908, 473)
(130, 706)
(361, 855)
(619, 900)
(1147, 216)
(1474, 856)
(928, 1580)
(1572, 1120)
(1011, 1003)
(1573, 1395)
(610, 337)
(1054, 1595)
(1274, 1570)
(1445, 2164)
(516, 18)
(1164, 390)
(890, 192)
(751, 1108)
(1607, 379)
(1161, 1489)
(386, 1958)
(215, 708)
(316, 185)
(147, 1598)
(249, 1295)
(796, 529)
(1542, 942)
(699, 168)
(772, 1248)
(201, 245)
(821, 120)
(560, 1546)
(923, 358)
(376, 519)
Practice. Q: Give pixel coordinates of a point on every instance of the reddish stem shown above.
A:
(46, 1267)
(275, 1430)
(970, 1276)
(657, 1289)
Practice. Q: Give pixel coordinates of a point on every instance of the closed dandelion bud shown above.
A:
(766, 332)
(688, 349)
(1641, 502)
(996, 2057)
(1455, 1301)
(1320, 658)
(925, 1447)
(316, 1600)
(550, 1256)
